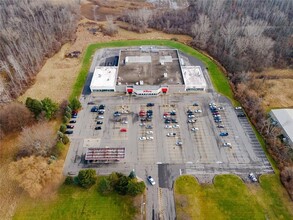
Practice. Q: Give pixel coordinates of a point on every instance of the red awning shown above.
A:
(130, 90)
(164, 90)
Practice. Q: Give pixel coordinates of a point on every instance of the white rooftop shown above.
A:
(104, 77)
(285, 119)
(166, 59)
(193, 77)
(138, 59)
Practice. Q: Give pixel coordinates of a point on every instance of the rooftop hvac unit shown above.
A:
(137, 83)
(141, 82)
(165, 75)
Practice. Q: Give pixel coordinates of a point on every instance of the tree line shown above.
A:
(30, 32)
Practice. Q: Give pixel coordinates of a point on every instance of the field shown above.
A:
(230, 198)
(73, 202)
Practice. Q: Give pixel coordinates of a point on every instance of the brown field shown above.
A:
(276, 88)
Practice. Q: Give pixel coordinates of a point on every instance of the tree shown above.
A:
(110, 29)
(104, 186)
(65, 139)
(134, 188)
(75, 104)
(49, 107)
(69, 180)
(87, 178)
(37, 140)
(34, 106)
(121, 187)
(132, 174)
(62, 128)
(34, 174)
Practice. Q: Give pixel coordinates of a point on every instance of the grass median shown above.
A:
(230, 198)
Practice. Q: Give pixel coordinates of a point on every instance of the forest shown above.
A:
(30, 32)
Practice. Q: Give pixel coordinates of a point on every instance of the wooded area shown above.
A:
(30, 32)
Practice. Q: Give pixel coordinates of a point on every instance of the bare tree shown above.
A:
(201, 31)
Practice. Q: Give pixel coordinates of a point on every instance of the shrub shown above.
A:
(122, 185)
(87, 178)
(67, 114)
(57, 150)
(62, 128)
(69, 181)
(75, 104)
(104, 186)
(65, 139)
(65, 119)
(134, 188)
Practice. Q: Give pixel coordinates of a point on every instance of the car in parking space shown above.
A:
(216, 113)
(167, 121)
(194, 129)
(150, 104)
(222, 134)
(142, 124)
(221, 108)
(191, 121)
(195, 104)
(197, 111)
(166, 114)
(142, 113)
(72, 121)
(123, 130)
(252, 177)
(189, 111)
(191, 116)
(218, 120)
(100, 113)
(149, 127)
(142, 119)
(175, 126)
(149, 138)
(124, 122)
(116, 114)
(174, 121)
(238, 108)
(179, 143)
(227, 144)
(100, 117)
(99, 122)
(102, 106)
(91, 103)
(94, 109)
(142, 138)
(172, 113)
(168, 126)
(98, 128)
(220, 126)
(69, 132)
(149, 132)
(151, 180)
(70, 126)
(171, 134)
(73, 116)
(241, 115)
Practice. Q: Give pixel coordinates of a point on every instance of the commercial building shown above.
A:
(104, 155)
(104, 79)
(193, 78)
(146, 90)
(284, 119)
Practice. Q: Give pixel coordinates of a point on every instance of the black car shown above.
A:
(72, 121)
(241, 115)
(167, 121)
(70, 126)
(150, 104)
(189, 111)
(143, 119)
(102, 106)
(150, 111)
(98, 128)
(94, 109)
(174, 120)
(172, 113)
(195, 104)
(69, 132)
(100, 113)
(99, 122)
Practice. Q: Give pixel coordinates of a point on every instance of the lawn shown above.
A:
(230, 198)
(218, 78)
(73, 202)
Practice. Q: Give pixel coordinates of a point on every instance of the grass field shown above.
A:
(218, 78)
(73, 202)
(230, 198)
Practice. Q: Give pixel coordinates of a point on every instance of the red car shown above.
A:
(123, 130)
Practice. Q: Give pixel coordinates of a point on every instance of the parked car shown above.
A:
(191, 121)
(227, 144)
(116, 114)
(252, 177)
(149, 127)
(221, 108)
(195, 104)
(166, 114)
(100, 117)
(150, 104)
(241, 115)
(124, 122)
(189, 111)
(98, 128)
(142, 138)
(102, 106)
(69, 132)
(90, 103)
(171, 134)
(167, 121)
(238, 107)
(149, 132)
(149, 138)
(94, 109)
(142, 124)
(100, 113)
(72, 121)
(123, 130)
(179, 143)
(175, 126)
(220, 126)
(194, 129)
(151, 180)
(224, 134)
(70, 126)
(172, 113)
(191, 116)
(197, 111)
(168, 126)
(173, 120)
(99, 122)
(73, 116)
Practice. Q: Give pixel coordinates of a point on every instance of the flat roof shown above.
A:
(104, 77)
(138, 59)
(105, 154)
(285, 119)
(193, 77)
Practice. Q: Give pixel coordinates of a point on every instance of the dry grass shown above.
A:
(276, 89)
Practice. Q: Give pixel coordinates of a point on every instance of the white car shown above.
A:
(179, 143)
(226, 144)
(191, 121)
(142, 138)
(191, 116)
(151, 180)
(252, 177)
(142, 124)
(100, 117)
(150, 138)
(168, 126)
(171, 134)
(194, 129)
(175, 126)
(124, 122)
(238, 107)
(149, 132)
(198, 111)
